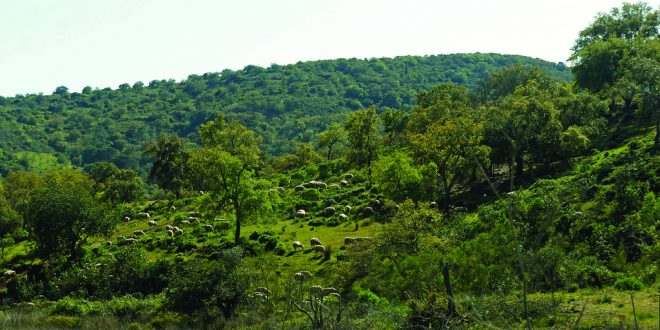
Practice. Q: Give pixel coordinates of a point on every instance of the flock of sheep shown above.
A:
(171, 231)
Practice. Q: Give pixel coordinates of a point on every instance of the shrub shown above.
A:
(629, 283)
(75, 307)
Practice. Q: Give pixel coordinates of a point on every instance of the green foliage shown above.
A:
(169, 169)
(629, 283)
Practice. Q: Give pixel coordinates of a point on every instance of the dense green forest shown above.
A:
(474, 191)
(282, 104)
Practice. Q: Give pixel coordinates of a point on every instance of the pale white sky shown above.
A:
(75, 43)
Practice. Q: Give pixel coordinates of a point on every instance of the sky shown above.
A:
(104, 43)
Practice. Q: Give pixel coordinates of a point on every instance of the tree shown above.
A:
(117, 185)
(225, 167)
(398, 178)
(600, 48)
(524, 124)
(64, 212)
(394, 125)
(169, 167)
(362, 128)
(504, 81)
(452, 140)
(330, 138)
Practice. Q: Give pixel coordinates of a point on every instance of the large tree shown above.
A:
(64, 212)
(169, 167)
(331, 138)
(447, 133)
(362, 128)
(600, 48)
(226, 166)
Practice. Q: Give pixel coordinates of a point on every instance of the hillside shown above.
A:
(282, 104)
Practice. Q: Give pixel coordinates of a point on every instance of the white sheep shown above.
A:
(314, 241)
(343, 217)
(301, 213)
(185, 222)
(138, 233)
(208, 227)
(301, 276)
(298, 244)
(319, 248)
(348, 176)
(329, 210)
(168, 227)
(170, 232)
(152, 223)
(9, 273)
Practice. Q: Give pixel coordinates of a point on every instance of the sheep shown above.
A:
(170, 232)
(335, 186)
(433, 205)
(173, 208)
(263, 291)
(349, 240)
(299, 188)
(193, 214)
(314, 241)
(319, 248)
(127, 219)
(138, 233)
(461, 209)
(298, 244)
(208, 227)
(177, 231)
(301, 213)
(343, 217)
(144, 215)
(152, 223)
(280, 189)
(368, 210)
(343, 183)
(348, 176)
(375, 203)
(511, 193)
(9, 273)
(108, 243)
(192, 219)
(329, 210)
(185, 222)
(301, 276)
(168, 227)
(347, 208)
(260, 295)
(329, 290)
(330, 202)
(578, 214)
(129, 241)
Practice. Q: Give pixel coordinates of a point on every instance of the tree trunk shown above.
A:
(451, 306)
(519, 165)
(239, 218)
(329, 152)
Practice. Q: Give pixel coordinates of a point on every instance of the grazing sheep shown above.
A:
(329, 290)
(168, 227)
(335, 186)
(127, 219)
(9, 273)
(433, 205)
(108, 243)
(314, 241)
(301, 213)
(343, 183)
(138, 233)
(144, 215)
(185, 222)
(511, 193)
(173, 208)
(129, 241)
(368, 210)
(461, 209)
(319, 248)
(348, 176)
(193, 214)
(191, 219)
(178, 231)
(347, 208)
(343, 217)
(297, 245)
(349, 240)
(299, 188)
(208, 227)
(329, 210)
(375, 203)
(301, 276)
(578, 214)
(280, 189)
(170, 232)
(330, 202)
(152, 223)
(263, 291)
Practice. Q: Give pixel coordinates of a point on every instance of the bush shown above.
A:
(75, 307)
(629, 283)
